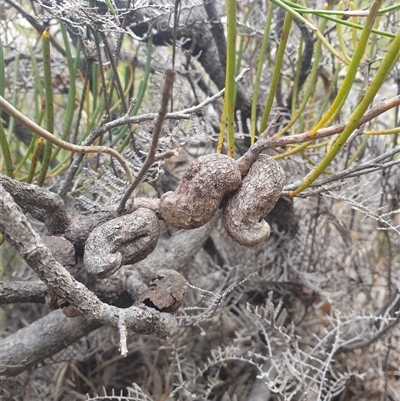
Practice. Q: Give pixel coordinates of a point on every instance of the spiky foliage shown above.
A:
(311, 314)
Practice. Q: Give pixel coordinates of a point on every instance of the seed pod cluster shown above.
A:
(210, 182)
(243, 213)
(212, 178)
(199, 194)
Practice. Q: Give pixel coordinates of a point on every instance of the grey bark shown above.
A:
(40, 340)
(175, 252)
(19, 233)
(44, 205)
(21, 291)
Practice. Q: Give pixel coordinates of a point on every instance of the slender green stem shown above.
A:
(230, 73)
(329, 15)
(353, 30)
(14, 93)
(145, 79)
(142, 89)
(6, 152)
(38, 88)
(277, 70)
(358, 152)
(295, 87)
(110, 7)
(389, 9)
(340, 37)
(328, 97)
(383, 132)
(260, 62)
(2, 70)
(222, 127)
(242, 41)
(352, 69)
(310, 82)
(34, 159)
(293, 151)
(95, 86)
(387, 63)
(72, 69)
(31, 148)
(48, 84)
(340, 11)
(292, 10)
(311, 26)
(86, 98)
(359, 27)
(374, 41)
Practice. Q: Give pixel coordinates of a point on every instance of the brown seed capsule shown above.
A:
(244, 212)
(200, 191)
(165, 293)
(123, 240)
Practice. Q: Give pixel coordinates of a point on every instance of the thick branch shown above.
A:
(40, 340)
(121, 289)
(176, 251)
(21, 291)
(41, 203)
(18, 231)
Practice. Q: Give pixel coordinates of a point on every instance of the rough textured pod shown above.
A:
(199, 194)
(165, 293)
(123, 240)
(244, 212)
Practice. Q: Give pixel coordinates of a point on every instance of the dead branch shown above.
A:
(44, 205)
(20, 234)
(21, 292)
(355, 171)
(40, 340)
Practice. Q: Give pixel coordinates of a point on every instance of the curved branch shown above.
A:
(44, 205)
(17, 115)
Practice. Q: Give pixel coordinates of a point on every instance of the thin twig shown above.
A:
(115, 70)
(73, 168)
(180, 115)
(364, 168)
(158, 125)
(275, 142)
(367, 343)
(261, 144)
(37, 129)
